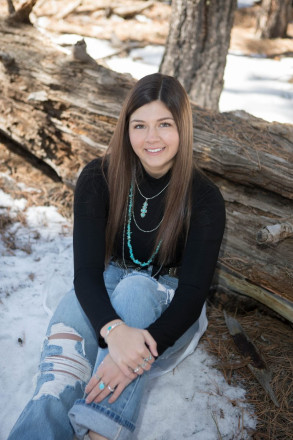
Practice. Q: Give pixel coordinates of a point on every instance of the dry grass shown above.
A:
(273, 339)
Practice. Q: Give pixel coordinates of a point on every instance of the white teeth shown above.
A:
(155, 150)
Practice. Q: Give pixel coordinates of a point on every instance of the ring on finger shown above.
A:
(136, 370)
(148, 358)
(111, 389)
(143, 365)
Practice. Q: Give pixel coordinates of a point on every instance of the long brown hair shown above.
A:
(122, 163)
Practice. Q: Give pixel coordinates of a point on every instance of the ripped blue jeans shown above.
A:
(70, 355)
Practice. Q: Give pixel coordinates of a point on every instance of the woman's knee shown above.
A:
(138, 300)
(69, 314)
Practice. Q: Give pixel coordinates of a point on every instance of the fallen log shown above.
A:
(62, 110)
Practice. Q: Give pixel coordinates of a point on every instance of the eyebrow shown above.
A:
(161, 119)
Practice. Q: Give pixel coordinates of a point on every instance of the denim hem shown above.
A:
(107, 412)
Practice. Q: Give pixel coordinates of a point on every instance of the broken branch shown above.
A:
(275, 233)
(257, 365)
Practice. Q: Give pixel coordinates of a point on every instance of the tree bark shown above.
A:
(197, 47)
(274, 18)
(62, 111)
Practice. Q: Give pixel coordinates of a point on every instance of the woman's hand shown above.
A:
(132, 349)
(111, 376)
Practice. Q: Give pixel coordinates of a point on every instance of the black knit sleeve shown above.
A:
(90, 217)
(198, 265)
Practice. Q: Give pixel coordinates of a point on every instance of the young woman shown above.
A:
(147, 232)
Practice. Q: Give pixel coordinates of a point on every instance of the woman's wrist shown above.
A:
(108, 328)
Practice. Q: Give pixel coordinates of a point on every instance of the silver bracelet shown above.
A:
(111, 327)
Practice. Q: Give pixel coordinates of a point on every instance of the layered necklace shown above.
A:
(144, 208)
(127, 227)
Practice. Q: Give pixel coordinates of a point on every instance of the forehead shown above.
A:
(153, 110)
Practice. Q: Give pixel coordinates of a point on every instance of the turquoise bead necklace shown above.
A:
(128, 233)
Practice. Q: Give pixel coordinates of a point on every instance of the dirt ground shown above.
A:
(271, 335)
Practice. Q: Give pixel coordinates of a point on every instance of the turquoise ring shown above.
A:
(101, 385)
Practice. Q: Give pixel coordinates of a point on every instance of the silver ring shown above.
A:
(111, 389)
(148, 358)
(144, 364)
(137, 369)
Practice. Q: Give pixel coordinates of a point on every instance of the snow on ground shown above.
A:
(32, 276)
(192, 402)
(260, 86)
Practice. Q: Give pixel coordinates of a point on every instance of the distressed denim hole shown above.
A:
(64, 358)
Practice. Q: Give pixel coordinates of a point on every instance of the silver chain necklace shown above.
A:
(144, 208)
(143, 230)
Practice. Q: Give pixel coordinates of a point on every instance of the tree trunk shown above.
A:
(197, 47)
(274, 18)
(62, 111)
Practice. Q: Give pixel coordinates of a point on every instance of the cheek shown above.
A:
(136, 138)
(172, 139)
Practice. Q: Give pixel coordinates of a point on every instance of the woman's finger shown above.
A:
(118, 390)
(144, 364)
(92, 383)
(99, 392)
(128, 370)
(108, 390)
(151, 343)
(116, 393)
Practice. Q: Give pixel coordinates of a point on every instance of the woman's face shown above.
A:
(154, 137)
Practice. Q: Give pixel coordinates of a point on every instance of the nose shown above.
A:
(152, 135)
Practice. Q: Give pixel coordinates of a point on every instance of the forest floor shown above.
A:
(271, 334)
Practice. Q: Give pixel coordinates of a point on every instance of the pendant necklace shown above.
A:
(144, 208)
(128, 232)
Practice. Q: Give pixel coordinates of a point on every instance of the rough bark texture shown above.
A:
(274, 18)
(62, 111)
(197, 47)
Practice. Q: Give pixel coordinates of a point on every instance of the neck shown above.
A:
(156, 174)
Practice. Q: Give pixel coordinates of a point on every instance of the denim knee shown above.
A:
(139, 299)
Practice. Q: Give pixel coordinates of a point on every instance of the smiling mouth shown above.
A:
(155, 150)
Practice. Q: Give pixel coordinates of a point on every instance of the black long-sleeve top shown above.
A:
(197, 258)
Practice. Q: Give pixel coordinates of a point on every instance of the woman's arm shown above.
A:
(128, 346)
(90, 216)
(198, 266)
